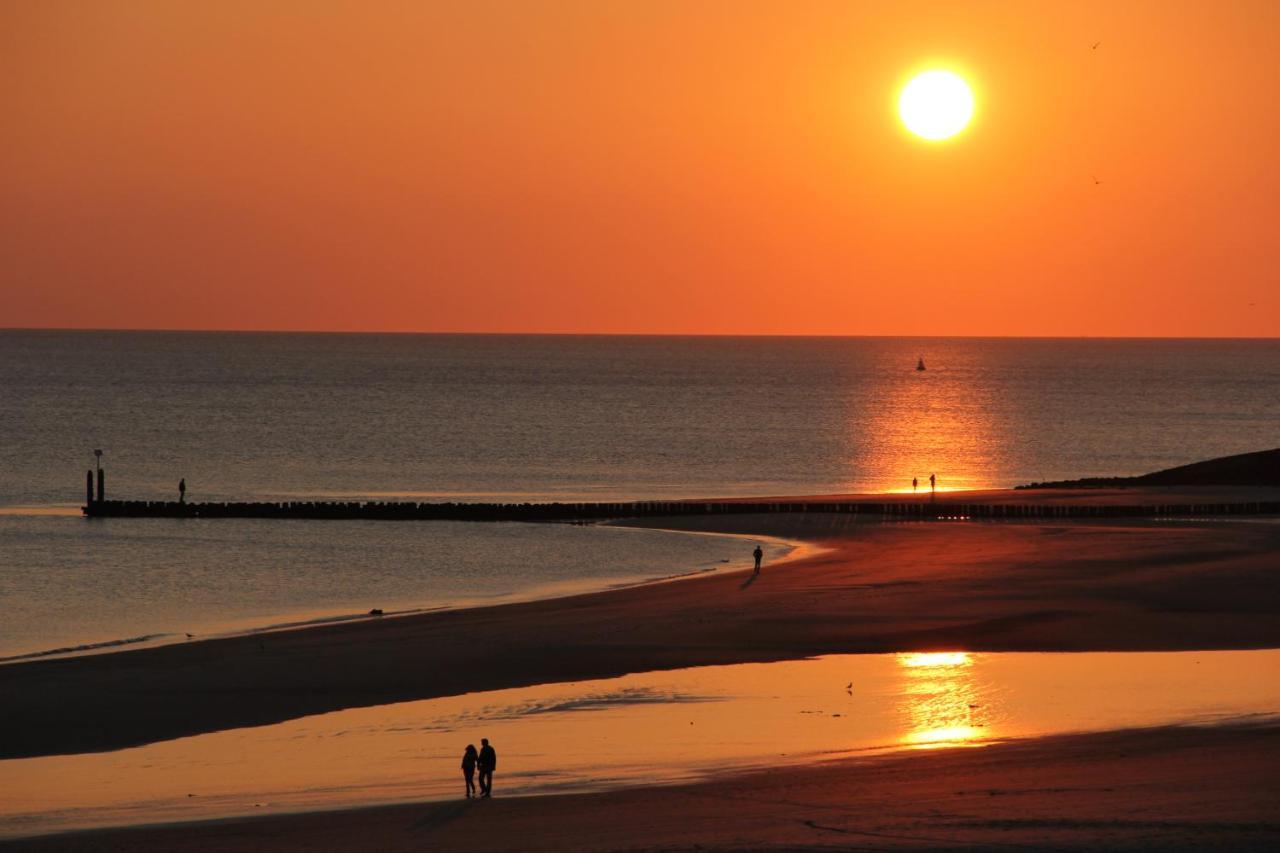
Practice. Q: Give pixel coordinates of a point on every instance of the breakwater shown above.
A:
(599, 511)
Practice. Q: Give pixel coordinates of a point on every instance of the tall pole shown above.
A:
(97, 463)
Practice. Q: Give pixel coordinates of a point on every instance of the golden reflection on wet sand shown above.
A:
(649, 728)
(941, 699)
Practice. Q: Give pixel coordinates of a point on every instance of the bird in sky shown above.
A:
(1095, 45)
(1096, 182)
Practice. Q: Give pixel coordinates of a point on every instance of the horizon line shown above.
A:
(206, 331)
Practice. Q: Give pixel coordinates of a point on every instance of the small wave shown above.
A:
(329, 620)
(86, 647)
(584, 703)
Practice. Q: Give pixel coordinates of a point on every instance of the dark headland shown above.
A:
(1261, 468)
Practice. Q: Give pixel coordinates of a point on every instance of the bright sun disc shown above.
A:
(936, 104)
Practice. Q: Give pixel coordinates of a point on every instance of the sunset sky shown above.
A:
(650, 167)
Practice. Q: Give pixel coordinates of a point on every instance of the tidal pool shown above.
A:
(650, 728)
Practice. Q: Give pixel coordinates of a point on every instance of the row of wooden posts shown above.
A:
(593, 511)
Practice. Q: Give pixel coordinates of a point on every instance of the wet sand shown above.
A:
(875, 588)
(1156, 789)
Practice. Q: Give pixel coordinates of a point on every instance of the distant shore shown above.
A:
(1030, 586)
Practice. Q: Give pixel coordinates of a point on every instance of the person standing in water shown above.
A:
(182, 490)
(915, 484)
(488, 762)
(469, 759)
(933, 483)
(759, 555)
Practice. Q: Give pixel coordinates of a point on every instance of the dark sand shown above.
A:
(894, 587)
(1157, 789)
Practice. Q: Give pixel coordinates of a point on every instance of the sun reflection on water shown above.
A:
(941, 699)
(915, 659)
(945, 421)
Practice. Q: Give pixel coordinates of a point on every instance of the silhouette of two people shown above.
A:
(486, 762)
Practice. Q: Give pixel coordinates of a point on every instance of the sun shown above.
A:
(936, 104)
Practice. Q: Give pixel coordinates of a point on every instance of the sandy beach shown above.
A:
(872, 588)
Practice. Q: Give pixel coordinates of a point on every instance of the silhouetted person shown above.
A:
(915, 484)
(759, 555)
(469, 760)
(182, 490)
(488, 762)
(933, 482)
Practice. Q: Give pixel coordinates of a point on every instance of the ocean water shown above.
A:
(67, 582)
(280, 416)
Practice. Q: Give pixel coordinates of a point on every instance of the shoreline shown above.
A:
(1111, 495)
(1067, 586)
(852, 586)
(302, 621)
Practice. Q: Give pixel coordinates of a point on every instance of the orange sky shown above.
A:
(683, 167)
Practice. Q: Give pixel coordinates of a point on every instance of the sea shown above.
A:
(267, 416)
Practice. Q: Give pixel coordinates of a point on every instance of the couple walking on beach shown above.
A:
(486, 761)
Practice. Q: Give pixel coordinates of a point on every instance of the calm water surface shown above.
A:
(69, 582)
(245, 416)
(280, 416)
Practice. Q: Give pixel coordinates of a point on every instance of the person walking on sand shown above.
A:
(488, 762)
(182, 490)
(469, 759)
(759, 555)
